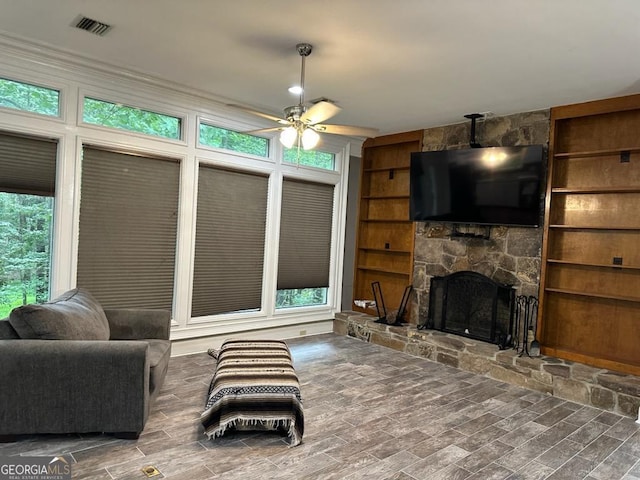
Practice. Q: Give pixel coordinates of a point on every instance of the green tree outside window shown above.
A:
(301, 297)
(310, 158)
(25, 242)
(30, 98)
(235, 141)
(123, 117)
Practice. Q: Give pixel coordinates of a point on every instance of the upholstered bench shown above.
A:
(254, 388)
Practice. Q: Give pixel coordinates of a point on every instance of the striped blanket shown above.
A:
(254, 387)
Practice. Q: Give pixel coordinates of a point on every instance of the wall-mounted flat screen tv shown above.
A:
(478, 186)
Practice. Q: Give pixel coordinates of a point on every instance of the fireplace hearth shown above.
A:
(472, 305)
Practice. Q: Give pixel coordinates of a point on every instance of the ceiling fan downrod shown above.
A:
(304, 49)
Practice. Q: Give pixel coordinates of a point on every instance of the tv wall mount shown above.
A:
(473, 117)
(482, 232)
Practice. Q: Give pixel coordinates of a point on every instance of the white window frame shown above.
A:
(74, 82)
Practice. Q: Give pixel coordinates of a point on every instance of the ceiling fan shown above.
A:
(301, 124)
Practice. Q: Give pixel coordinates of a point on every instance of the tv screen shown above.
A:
(481, 186)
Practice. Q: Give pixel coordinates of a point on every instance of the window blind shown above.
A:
(230, 239)
(128, 228)
(305, 235)
(27, 165)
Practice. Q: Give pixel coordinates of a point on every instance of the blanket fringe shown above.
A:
(258, 424)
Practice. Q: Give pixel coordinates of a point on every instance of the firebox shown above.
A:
(472, 305)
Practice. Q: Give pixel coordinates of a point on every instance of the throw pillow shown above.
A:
(75, 315)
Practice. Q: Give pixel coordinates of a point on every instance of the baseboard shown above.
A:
(202, 344)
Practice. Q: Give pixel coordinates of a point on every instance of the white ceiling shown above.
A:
(396, 65)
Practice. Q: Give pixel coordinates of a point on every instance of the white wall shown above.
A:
(351, 227)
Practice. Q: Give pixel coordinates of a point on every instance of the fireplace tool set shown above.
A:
(525, 326)
(391, 318)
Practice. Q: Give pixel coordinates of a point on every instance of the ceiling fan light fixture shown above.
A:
(310, 138)
(305, 122)
(288, 137)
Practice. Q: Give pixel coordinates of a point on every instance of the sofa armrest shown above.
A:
(138, 323)
(57, 386)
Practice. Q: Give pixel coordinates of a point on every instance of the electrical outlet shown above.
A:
(303, 332)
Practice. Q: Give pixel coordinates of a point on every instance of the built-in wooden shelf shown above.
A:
(386, 250)
(596, 153)
(384, 197)
(384, 270)
(383, 219)
(634, 189)
(387, 169)
(589, 308)
(594, 265)
(587, 227)
(622, 298)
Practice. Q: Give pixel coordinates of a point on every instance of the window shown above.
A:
(305, 243)
(27, 183)
(128, 229)
(30, 98)
(230, 239)
(310, 158)
(115, 115)
(301, 297)
(229, 140)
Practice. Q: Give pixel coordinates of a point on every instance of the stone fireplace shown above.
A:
(508, 255)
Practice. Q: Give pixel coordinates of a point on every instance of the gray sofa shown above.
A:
(68, 366)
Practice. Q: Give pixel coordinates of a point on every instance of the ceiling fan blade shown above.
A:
(319, 112)
(257, 113)
(347, 130)
(264, 130)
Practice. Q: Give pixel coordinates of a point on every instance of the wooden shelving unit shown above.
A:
(590, 288)
(384, 244)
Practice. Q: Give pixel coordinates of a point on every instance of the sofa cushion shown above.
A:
(7, 332)
(74, 315)
(159, 354)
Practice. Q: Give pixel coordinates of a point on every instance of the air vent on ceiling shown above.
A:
(92, 26)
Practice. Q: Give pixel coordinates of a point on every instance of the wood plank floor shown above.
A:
(370, 413)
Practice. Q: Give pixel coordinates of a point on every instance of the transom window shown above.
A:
(116, 115)
(29, 98)
(218, 137)
(310, 158)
